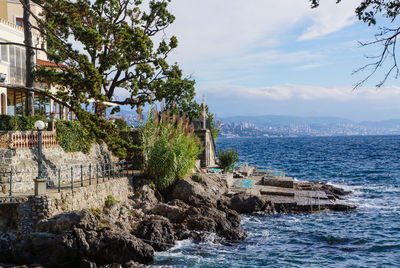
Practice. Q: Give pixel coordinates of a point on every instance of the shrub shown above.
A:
(115, 135)
(110, 201)
(170, 148)
(227, 159)
(19, 123)
(197, 177)
(73, 137)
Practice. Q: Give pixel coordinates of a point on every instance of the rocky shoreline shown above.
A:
(127, 234)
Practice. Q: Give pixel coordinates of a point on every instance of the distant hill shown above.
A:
(292, 126)
(285, 120)
(393, 123)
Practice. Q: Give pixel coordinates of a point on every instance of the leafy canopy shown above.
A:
(368, 9)
(109, 47)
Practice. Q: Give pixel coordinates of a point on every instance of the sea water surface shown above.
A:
(367, 237)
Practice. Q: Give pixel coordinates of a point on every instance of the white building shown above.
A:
(13, 96)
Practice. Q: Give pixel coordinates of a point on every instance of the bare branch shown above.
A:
(388, 39)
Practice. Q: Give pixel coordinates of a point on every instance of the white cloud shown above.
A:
(311, 66)
(208, 29)
(330, 18)
(304, 92)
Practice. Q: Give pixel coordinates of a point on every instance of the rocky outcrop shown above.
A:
(246, 203)
(158, 232)
(71, 238)
(195, 222)
(127, 233)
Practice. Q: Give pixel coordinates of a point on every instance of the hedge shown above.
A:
(18, 123)
(73, 137)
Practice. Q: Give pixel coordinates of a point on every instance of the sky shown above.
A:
(262, 57)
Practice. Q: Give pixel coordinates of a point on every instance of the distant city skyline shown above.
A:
(283, 58)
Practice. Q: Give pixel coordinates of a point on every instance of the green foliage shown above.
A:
(120, 53)
(171, 148)
(96, 212)
(368, 10)
(73, 137)
(17, 123)
(117, 136)
(197, 177)
(110, 201)
(214, 126)
(227, 159)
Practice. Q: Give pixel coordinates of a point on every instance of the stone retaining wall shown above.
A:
(91, 196)
(23, 163)
(21, 215)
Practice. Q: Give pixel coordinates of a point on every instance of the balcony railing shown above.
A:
(26, 139)
(16, 27)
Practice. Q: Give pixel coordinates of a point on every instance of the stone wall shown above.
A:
(91, 196)
(18, 215)
(23, 163)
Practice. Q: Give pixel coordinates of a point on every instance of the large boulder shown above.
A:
(174, 210)
(246, 203)
(144, 198)
(207, 192)
(226, 224)
(67, 221)
(55, 250)
(191, 193)
(158, 232)
(116, 247)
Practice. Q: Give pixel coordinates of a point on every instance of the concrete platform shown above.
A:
(288, 197)
(277, 181)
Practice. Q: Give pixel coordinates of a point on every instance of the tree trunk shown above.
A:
(30, 61)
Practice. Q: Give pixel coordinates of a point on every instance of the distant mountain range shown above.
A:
(292, 126)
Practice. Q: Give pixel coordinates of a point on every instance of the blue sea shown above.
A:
(367, 237)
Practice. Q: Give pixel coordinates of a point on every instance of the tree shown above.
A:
(108, 49)
(368, 11)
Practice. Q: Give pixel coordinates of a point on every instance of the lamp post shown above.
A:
(40, 181)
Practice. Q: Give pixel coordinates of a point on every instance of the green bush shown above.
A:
(227, 159)
(197, 177)
(73, 137)
(110, 201)
(170, 149)
(18, 123)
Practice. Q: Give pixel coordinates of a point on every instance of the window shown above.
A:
(19, 21)
(4, 53)
(13, 64)
(10, 102)
(3, 103)
(20, 102)
(23, 62)
(17, 65)
(42, 104)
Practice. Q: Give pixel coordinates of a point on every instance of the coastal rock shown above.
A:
(191, 193)
(246, 203)
(174, 210)
(144, 198)
(60, 250)
(116, 247)
(67, 221)
(158, 232)
(206, 193)
(224, 223)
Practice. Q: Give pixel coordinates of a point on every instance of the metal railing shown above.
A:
(14, 182)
